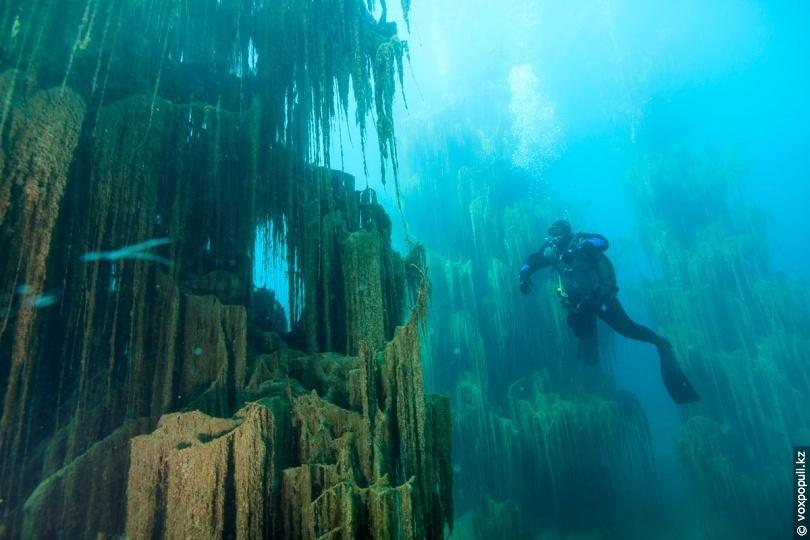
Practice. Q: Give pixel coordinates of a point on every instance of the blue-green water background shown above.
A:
(627, 78)
(615, 81)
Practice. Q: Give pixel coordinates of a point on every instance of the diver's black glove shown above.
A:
(525, 277)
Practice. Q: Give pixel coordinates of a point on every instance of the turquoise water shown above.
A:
(625, 79)
(157, 161)
(553, 107)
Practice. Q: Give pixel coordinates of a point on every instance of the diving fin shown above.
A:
(588, 349)
(679, 388)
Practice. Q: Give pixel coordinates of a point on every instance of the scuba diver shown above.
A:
(587, 288)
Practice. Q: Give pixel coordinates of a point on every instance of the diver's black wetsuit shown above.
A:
(587, 288)
(612, 312)
(587, 285)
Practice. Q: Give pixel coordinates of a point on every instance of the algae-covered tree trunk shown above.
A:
(534, 429)
(741, 330)
(142, 145)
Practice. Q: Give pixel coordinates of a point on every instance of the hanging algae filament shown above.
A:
(533, 430)
(740, 329)
(138, 156)
(45, 134)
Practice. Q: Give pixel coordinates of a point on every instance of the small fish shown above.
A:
(135, 251)
(31, 300)
(24, 289)
(42, 300)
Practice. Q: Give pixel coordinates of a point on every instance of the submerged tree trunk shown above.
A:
(143, 145)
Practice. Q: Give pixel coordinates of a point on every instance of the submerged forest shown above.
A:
(252, 287)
